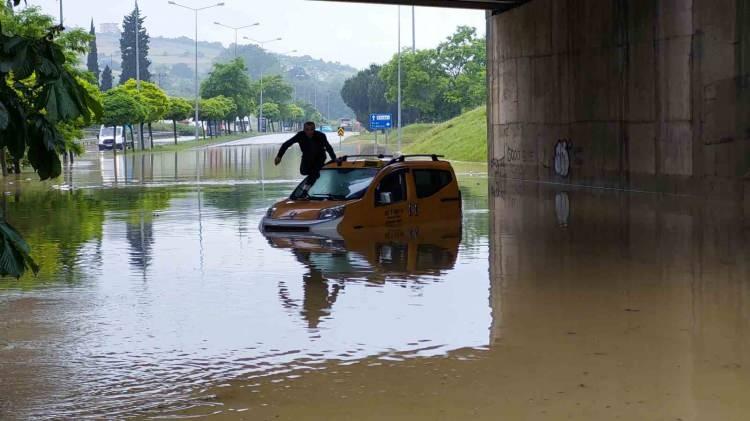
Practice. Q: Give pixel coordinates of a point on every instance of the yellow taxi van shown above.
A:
(356, 192)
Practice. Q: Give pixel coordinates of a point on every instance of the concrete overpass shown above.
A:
(641, 94)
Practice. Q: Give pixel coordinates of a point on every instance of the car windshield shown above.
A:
(108, 131)
(339, 184)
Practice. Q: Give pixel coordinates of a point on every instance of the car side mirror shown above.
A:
(386, 198)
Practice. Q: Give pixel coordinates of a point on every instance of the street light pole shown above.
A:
(197, 96)
(399, 79)
(413, 32)
(137, 48)
(260, 111)
(61, 12)
(236, 29)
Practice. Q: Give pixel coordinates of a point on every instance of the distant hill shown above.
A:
(316, 81)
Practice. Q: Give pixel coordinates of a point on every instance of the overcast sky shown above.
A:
(350, 33)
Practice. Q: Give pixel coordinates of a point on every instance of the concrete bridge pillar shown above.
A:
(641, 94)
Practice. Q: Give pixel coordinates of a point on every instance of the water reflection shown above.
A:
(158, 286)
(373, 255)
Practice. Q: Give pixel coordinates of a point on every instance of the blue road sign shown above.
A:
(380, 121)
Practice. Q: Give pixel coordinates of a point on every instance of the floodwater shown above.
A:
(158, 297)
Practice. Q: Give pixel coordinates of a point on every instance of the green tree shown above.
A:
(72, 131)
(423, 86)
(365, 94)
(275, 89)
(230, 80)
(106, 83)
(131, 23)
(92, 61)
(443, 82)
(292, 113)
(271, 112)
(154, 101)
(121, 108)
(463, 58)
(210, 112)
(179, 109)
(38, 91)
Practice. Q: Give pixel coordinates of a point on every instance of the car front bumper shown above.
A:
(326, 228)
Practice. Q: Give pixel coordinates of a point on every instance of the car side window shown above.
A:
(429, 182)
(391, 189)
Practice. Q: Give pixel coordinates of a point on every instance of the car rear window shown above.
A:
(429, 182)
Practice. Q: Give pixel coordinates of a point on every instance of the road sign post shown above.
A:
(341, 136)
(380, 121)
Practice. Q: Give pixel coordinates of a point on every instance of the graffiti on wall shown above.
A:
(561, 157)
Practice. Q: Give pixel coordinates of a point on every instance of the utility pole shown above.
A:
(61, 12)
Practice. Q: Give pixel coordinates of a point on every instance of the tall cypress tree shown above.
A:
(127, 47)
(106, 79)
(93, 59)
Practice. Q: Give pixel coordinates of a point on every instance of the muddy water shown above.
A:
(158, 297)
(157, 286)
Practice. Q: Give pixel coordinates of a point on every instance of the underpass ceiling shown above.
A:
(497, 6)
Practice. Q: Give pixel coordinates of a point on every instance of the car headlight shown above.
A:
(270, 211)
(332, 213)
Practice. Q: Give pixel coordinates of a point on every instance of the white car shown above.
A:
(107, 138)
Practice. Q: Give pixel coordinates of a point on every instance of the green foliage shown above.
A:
(15, 256)
(293, 112)
(436, 84)
(463, 138)
(92, 61)
(217, 108)
(179, 109)
(121, 108)
(32, 23)
(153, 99)
(271, 111)
(106, 83)
(230, 80)
(38, 92)
(130, 23)
(275, 89)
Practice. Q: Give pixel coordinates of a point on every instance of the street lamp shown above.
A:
(197, 96)
(399, 79)
(236, 29)
(262, 43)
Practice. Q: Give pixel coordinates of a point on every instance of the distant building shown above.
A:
(109, 28)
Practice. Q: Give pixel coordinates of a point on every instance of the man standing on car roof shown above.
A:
(314, 145)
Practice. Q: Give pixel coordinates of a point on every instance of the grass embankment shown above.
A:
(408, 135)
(463, 138)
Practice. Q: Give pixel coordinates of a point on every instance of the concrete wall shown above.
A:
(647, 94)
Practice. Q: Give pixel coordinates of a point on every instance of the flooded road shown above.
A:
(159, 297)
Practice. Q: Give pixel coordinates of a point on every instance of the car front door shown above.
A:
(392, 199)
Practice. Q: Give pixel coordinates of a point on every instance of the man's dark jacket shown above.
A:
(313, 151)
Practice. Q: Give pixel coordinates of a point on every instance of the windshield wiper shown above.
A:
(327, 196)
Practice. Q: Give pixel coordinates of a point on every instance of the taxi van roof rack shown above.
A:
(379, 156)
(346, 158)
(402, 158)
